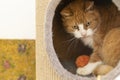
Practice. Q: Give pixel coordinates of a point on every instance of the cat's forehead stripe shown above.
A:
(80, 25)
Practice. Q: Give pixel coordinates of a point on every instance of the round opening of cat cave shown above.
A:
(63, 48)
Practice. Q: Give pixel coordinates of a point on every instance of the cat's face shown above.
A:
(80, 20)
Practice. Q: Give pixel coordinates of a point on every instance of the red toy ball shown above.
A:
(82, 60)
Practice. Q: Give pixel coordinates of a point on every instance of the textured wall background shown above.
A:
(45, 70)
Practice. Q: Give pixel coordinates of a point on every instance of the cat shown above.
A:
(98, 27)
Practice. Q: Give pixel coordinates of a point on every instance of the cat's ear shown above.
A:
(89, 6)
(66, 13)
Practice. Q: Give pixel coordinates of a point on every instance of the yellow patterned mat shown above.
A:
(17, 60)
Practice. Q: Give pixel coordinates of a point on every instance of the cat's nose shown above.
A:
(83, 34)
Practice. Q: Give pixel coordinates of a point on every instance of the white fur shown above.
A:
(89, 32)
(82, 30)
(88, 41)
(85, 35)
(88, 69)
(77, 34)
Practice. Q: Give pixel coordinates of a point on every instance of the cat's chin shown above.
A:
(88, 40)
(83, 37)
(80, 37)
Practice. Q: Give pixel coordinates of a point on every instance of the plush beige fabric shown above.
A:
(44, 70)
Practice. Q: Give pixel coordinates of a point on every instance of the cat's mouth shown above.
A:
(85, 36)
(78, 37)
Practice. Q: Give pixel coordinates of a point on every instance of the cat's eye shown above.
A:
(76, 27)
(88, 24)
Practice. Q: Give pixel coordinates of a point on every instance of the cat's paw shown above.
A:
(84, 71)
(88, 69)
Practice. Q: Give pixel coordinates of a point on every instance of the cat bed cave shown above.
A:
(63, 49)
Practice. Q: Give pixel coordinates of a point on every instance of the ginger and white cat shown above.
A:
(98, 27)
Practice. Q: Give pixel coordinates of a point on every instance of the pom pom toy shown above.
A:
(82, 60)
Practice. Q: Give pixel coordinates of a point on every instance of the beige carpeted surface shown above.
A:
(45, 70)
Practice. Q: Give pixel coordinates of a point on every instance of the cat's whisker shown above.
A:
(69, 40)
(69, 43)
(69, 46)
(76, 43)
(72, 44)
